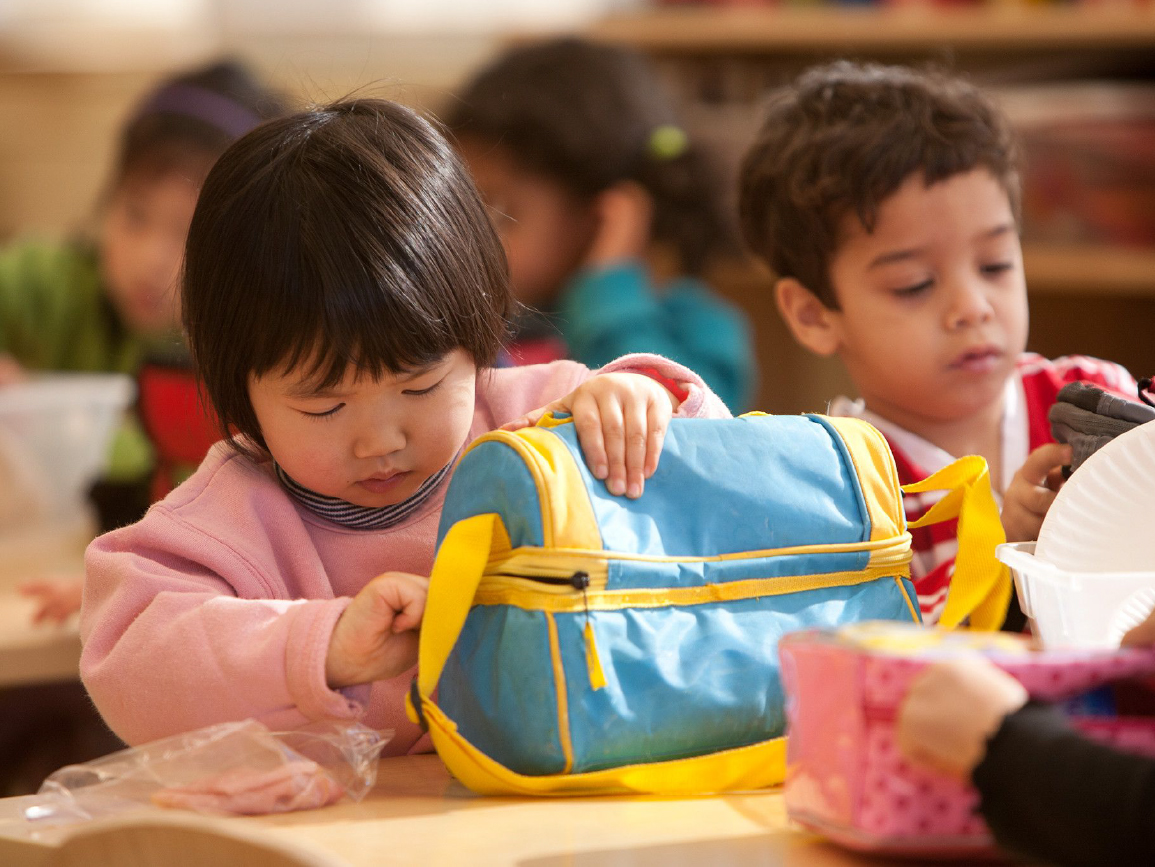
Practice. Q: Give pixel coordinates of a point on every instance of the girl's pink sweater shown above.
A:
(219, 604)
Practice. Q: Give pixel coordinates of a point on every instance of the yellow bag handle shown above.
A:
(452, 585)
(981, 585)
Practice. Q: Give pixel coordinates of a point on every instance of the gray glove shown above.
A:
(1088, 418)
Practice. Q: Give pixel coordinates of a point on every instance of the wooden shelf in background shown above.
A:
(1089, 270)
(1051, 270)
(750, 31)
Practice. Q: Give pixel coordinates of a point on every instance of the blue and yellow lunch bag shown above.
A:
(576, 642)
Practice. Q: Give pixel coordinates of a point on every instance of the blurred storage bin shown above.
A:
(55, 431)
(1089, 162)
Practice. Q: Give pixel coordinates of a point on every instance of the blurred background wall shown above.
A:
(1075, 76)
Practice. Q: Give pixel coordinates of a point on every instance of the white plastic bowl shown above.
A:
(1074, 609)
(55, 433)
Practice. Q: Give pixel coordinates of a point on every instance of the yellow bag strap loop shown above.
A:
(981, 585)
(452, 585)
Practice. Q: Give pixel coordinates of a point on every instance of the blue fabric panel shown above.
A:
(725, 486)
(498, 686)
(492, 477)
(629, 574)
(685, 681)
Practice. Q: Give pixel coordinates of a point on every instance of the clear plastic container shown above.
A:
(1077, 609)
(55, 433)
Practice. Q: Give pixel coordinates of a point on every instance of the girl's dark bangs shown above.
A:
(360, 317)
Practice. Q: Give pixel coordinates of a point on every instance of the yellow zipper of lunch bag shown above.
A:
(530, 577)
(575, 581)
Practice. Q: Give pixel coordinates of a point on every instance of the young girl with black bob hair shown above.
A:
(610, 213)
(344, 295)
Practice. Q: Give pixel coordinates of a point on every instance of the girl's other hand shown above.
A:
(376, 636)
(1032, 490)
(56, 601)
(625, 214)
(952, 710)
(621, 421)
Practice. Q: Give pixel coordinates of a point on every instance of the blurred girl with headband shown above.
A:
(107, 301)
(608, 212)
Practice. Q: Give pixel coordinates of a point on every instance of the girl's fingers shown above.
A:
(532, 418)
(657, 421)
(614, 443)
(635, 435)
(588, 421)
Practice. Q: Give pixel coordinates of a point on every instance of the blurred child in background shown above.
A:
(608, 212)
(106, 301)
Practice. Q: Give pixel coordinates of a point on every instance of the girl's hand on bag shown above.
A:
(1032, 490)
(621, 421)
(952, 710)
(376, 636)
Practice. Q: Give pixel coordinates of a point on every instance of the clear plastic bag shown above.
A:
(238, 768)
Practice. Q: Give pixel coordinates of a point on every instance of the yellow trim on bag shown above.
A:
(751, 767)
(531, 595)
(893, 550)
(914, 612)
(566, 521)
(869, 451)
(560, 688)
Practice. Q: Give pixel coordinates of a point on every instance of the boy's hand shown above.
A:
(1032, 490)
(621, 421)
(951, 712)
(376, 636)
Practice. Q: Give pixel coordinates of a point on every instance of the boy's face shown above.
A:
(544, 228)
(933, 302)
(141, 247)
(368, 442)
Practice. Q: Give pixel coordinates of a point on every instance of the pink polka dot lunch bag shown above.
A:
(845, 777)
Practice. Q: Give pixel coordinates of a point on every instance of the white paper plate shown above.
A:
(1103, 519)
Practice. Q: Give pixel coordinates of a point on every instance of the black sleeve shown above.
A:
(1049, 793)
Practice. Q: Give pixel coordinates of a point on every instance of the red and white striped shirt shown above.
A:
(1028, 396)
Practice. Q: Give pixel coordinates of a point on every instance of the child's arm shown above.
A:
(182, 628)
(1046, 791)
(376, 636)
(1032, 490)
(614, 309)
(611, 306)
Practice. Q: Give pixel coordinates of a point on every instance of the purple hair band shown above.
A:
(215, 109)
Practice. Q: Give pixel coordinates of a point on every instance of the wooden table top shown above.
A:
(418, 814)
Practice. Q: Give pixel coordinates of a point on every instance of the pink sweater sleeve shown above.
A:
(171, 646)
(509, 393)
